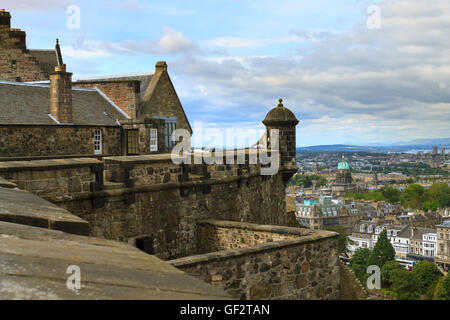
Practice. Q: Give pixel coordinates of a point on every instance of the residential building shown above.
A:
(322, 213)
(364, 235)
(443, 245)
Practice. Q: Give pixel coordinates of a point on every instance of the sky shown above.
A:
(352, 71)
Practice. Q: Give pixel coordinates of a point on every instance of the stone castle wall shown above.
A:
(298, 267)
(214, 235)
(16, 63)
(168, 203)
(57, 179)
(54, 141)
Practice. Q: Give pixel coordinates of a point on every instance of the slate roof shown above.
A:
(46, 58)
(418, 233)
(29, 104)
(445, 224)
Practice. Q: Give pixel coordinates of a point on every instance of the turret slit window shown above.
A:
(97, 141)
(153, 140)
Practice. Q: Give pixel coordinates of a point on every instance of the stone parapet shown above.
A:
(60, 179)
(301, 267)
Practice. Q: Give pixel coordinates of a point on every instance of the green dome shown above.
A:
(343, 165)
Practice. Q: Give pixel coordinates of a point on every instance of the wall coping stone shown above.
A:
(43, 165)
(257, 227)
(148, 188)
(163, 157)
(7, 184)
(234, 253)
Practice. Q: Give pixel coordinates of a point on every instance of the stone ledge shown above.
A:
(43, 165)
(152, 158)
(7, 184)
(226, 254)
(149, 188)
(22, 207)
(34, 262)
(257, 227)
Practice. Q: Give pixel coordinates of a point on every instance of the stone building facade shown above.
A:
(56, 120)
(443, 245)
(110, 116)
(344, 181)
(17, 62)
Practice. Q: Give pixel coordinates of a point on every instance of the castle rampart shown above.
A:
(267, 262)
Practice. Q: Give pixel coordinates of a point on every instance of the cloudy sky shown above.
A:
(351, 72)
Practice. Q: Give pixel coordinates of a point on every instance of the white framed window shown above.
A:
(97, 141)
(171, 126)
(153, 139)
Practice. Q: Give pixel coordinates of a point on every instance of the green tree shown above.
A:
(343, 239)
(382, 252)
(425, 274)
(439, 292)
(306, 181)
(387, 271)
(446, 286)
(391, 194)
(432, 205)
(403, 285)
(442, 290)
(440, 192)
(359, 264)
(413, 196)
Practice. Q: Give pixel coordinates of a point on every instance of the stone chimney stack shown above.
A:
(5, 18)
(161, 66)
(61, 95)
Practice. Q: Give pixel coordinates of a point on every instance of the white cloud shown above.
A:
(240, 42)
(174, 42)
(372, 85)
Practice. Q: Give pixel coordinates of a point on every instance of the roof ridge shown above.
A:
(41, 85)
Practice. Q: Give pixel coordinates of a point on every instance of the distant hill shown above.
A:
(420, 144)
(428, 142)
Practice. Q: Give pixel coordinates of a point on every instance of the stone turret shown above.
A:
(282, 119)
